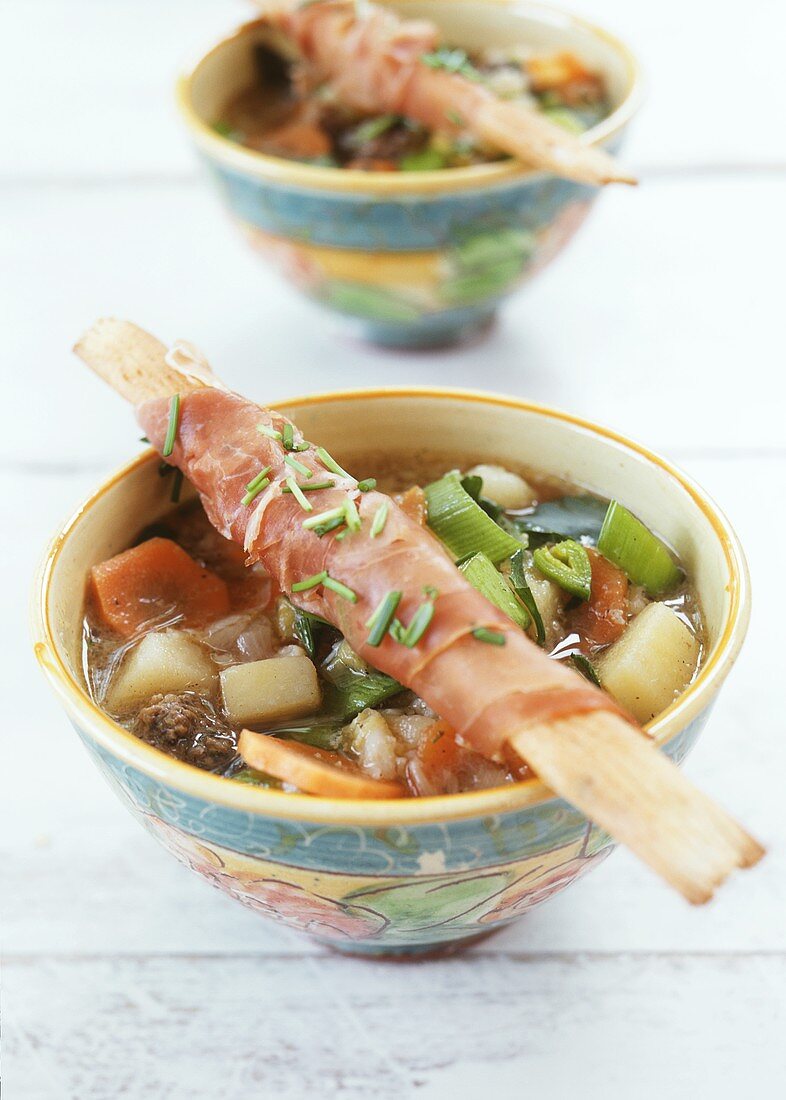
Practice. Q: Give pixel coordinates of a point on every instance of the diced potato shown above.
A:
(374, 745)
(271, 690)
(503, 487)
(647, 668)
(164, 661)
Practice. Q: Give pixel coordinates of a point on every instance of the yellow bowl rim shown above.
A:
(392, 812)
(379, 184)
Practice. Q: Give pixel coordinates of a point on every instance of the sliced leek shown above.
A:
(631, 546)
(482, 575)
(462, 525)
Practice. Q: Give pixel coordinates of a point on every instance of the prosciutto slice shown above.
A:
(486, 692)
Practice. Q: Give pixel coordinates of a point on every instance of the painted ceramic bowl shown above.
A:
(417, 258)
(412, 875)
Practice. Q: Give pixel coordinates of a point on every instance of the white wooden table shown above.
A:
(123, 975)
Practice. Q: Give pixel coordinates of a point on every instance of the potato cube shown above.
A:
(271, 690)
(503, 487)
(651, 663)
(164, 661)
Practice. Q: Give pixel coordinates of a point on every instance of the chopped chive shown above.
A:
(324, 517)
(340, 589)
(309, 488)
(397, 630)
(379, 623)
(331, 525)
(310, 582)
(171, 432)
(177, 485)
(288, 437)
(297, 493)
(341, 534)
(259, 477)
(330, 463)
(367, 484)
(303, 445)
(418, 624)
(490, 637)
(380, 519)
(252, 494)
(271, 433)
(352, 515)
(431, 591)
(143, 439)
(301, 469)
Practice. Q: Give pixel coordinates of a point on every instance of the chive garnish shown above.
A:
(380, 519)
(324, 517)
(340, 589)
(331, 525)
(367, 484)
(177, 485)
(379, 623)
(297, 493)
(309, 488)
(288, 437)
(490, 637)
(341, 534)
(252, 494)
(310, 582)
(330, 463)
(171, 432)
(259, 477)
(143, 439)
(418, 625)
(303, 445)
(352, 515)
(301, 469)
(271, 433)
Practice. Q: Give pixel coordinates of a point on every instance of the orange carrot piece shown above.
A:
(152, 581)
(603, 618)
(439, 752)
(413, 503)
(315, 771)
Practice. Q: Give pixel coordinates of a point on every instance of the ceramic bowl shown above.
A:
(412, 875)
(419, 258)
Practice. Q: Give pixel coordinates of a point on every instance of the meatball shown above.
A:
(189, 728)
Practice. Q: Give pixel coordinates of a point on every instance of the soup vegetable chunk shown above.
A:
(187, 646)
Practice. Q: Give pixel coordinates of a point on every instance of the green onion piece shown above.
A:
(482, 575)
(259, 477)
(340, 535)
(301, 469)
(306, 626)
(490, 637)
(330, 463)
(288, 437)
(518, 581)
(303, 445)
(352, 515)
(379, 623)
(568, 565)
(309, 488)
(356, 685)
(647, 561)
(367, 484)
(418, 625)
(583, 665)
(462, 525)
(143, 439)
(324, 517)
(331, 525)
(252, 494)
(271, 433)
(340, 589)
(297, 493)
(171, 432)
(310, 582)
(177, 485)
(380, 519)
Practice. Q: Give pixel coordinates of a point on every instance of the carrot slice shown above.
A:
(315, 771)
(151, 581)
(603, 618)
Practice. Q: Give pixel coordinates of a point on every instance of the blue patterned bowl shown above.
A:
(413, 875)
(414, 259)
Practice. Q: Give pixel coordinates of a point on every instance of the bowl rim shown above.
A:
(392, 184)
(122, 744)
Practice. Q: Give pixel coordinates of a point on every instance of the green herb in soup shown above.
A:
(186, 646)
(284, 116)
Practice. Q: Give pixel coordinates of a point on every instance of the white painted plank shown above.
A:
(663, 320)
(80, 876)
(103, 73)
(599, 1028)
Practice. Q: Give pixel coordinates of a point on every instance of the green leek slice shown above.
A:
(462, 525)
(568, 565)
(631, 546)
(520, 585)
(482, 575)
(355, 684)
